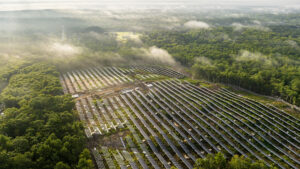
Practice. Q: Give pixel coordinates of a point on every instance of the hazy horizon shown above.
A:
(15, 5)
(90, 84)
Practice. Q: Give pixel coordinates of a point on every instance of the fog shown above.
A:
(246, 56)
(80, 33)
(196, 25)
(142, 4)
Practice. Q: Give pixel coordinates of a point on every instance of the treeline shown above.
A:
(266, 62)
(38, 128)
(218, 161)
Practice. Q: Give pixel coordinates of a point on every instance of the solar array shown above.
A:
(172, 122)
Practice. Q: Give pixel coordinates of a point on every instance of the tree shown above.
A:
(218, 161)
(211, 162)
(21, 161)
(85, 160)
(250, 59)
(5, 143)
(38, 129)
(61, 165)
(238, 162)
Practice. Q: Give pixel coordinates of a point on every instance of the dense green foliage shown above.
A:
(218, 161)
(9, 67)
(267, 62)
(38, 128)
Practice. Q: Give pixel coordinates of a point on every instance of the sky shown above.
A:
(9, 5)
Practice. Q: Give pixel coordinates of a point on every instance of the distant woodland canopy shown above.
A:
(266, 62)
(38, 128)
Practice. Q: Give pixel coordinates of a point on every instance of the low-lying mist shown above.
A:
(79, 38)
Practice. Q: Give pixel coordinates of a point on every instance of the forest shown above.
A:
(263, 61)
(38, 128)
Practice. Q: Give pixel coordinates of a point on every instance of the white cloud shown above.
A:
(203, 60)
(157, 54)
(261, 28)
(239, 27)
(256, 22)
(171, 19)
(63, 49)
(196, 25)
(245, 55)
(235, 15)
